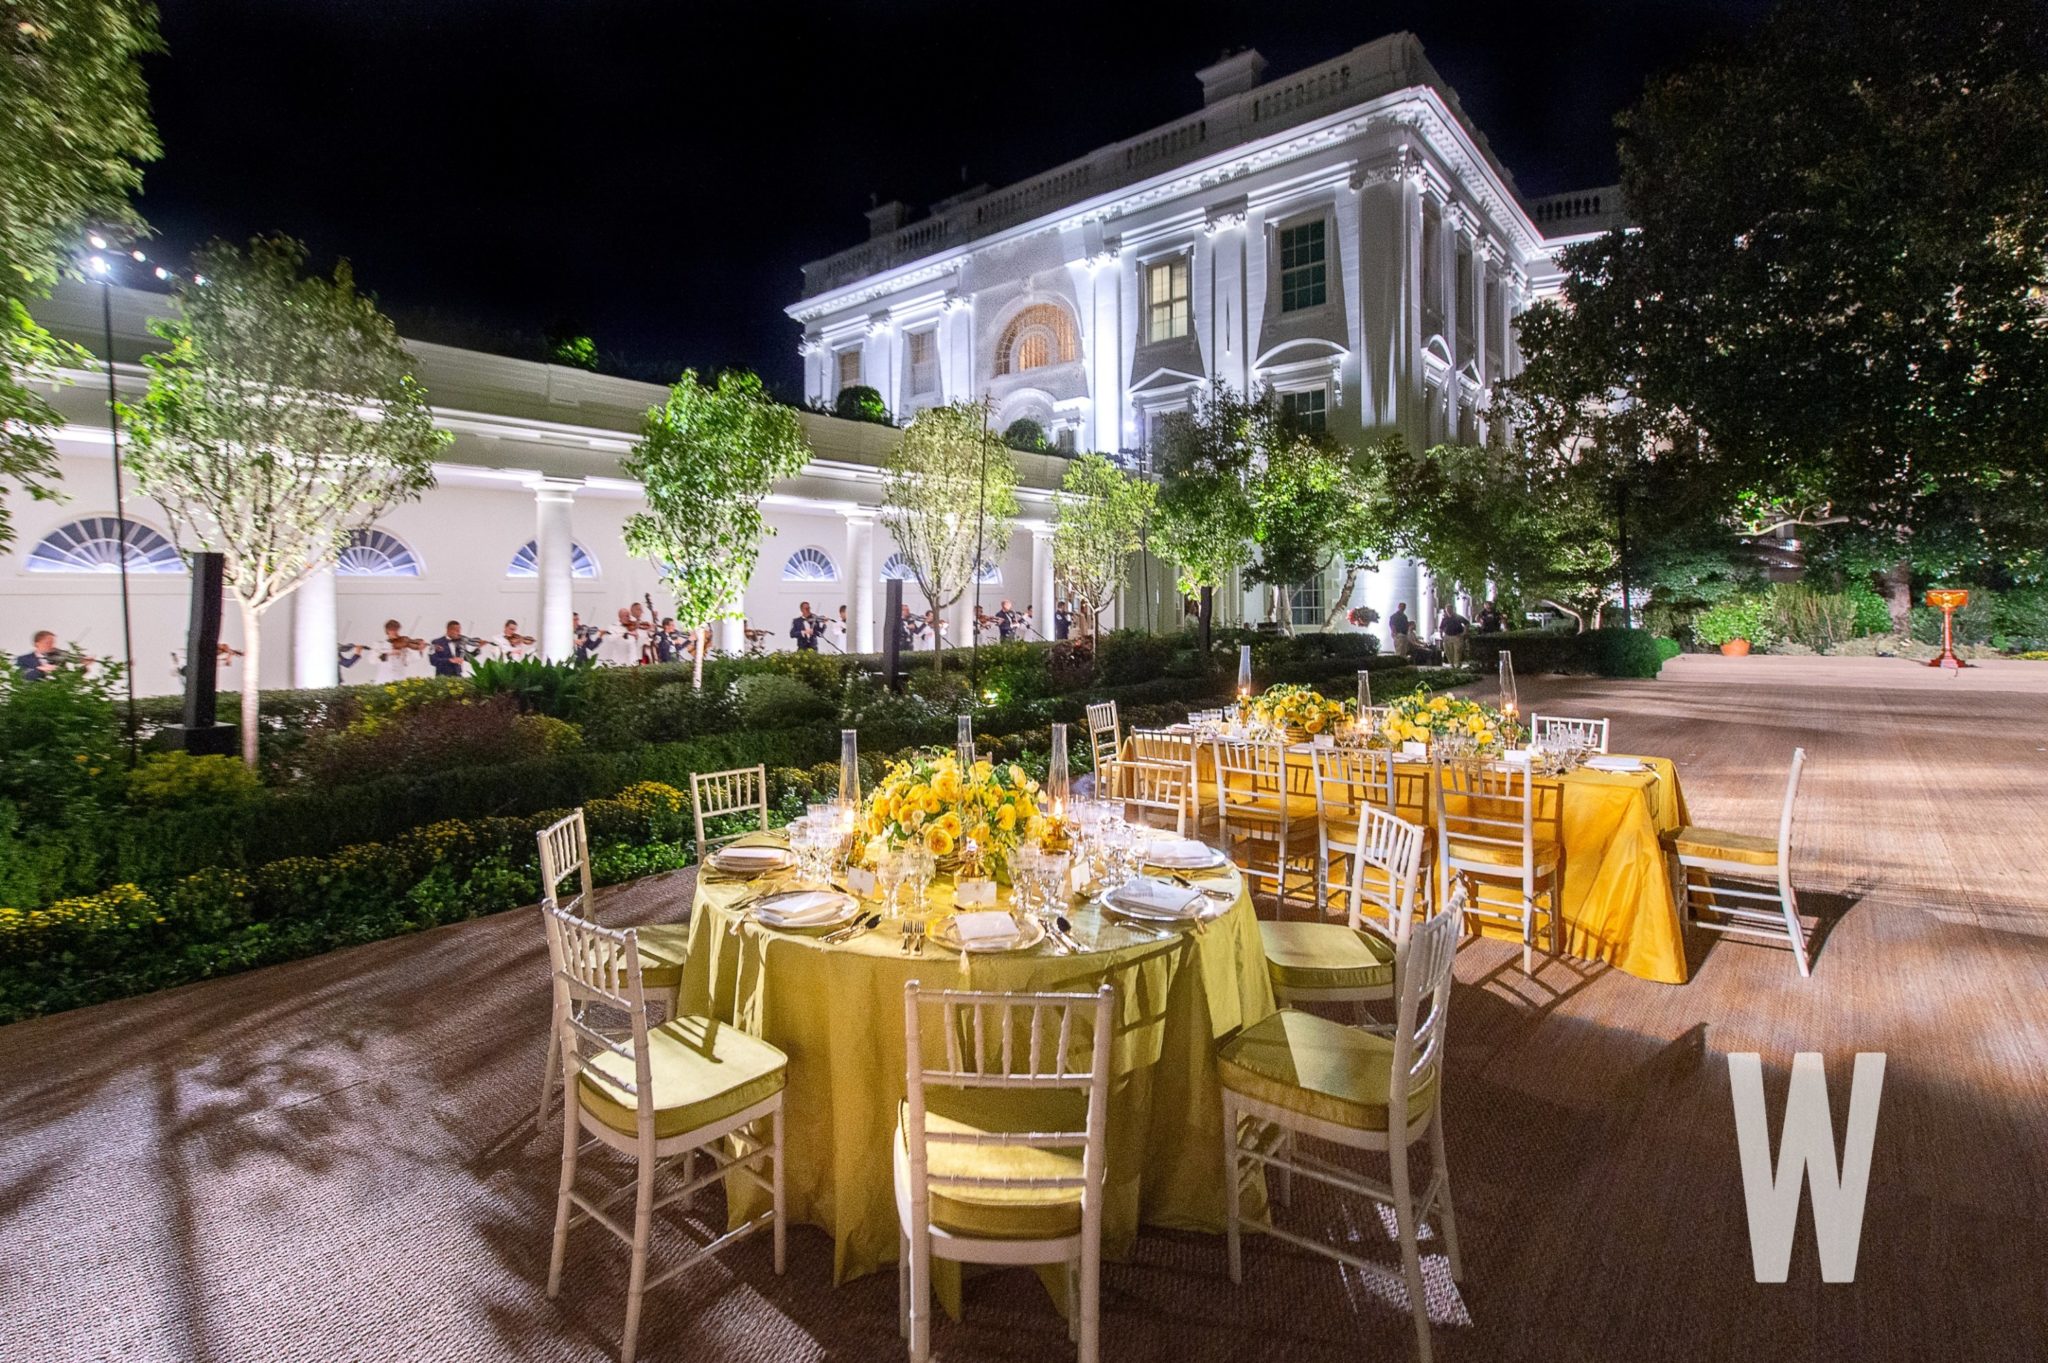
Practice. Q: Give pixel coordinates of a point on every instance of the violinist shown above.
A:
(454, 651)
(668, 642)
(348, 655)
(516, 645)
(589, 638)
(391, 655)
(1009, 621)
(42, 659)
(806, 628)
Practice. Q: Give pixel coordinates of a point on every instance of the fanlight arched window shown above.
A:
(894, 569)
(375, 553)
(990, 575)
(97, 545)
(526, 563)
(810, 564)
(1040, 335)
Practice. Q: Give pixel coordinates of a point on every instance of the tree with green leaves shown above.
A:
(1314, 500)
(281, 415)
(706, 458)
(74, 132)
(1834, 314)
(1099, 517)
(950, 501)
(1205, 458)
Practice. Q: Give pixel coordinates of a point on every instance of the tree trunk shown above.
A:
(1343, 601)
(1205, 616)
(1896, 582)
(1577, 618)
(702, 640)
(1283, 609)
(252, 659)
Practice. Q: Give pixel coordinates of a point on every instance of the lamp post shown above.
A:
(104, 273)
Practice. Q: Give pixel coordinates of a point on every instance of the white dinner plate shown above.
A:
(794, 909)
(1616, 764)
(751, 861)
(1200, 906)
(1210, 859)
(1030, 932)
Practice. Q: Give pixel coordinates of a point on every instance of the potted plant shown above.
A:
(1735, 626)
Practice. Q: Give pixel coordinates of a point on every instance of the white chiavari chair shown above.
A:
(1155, 794)
(1000, 1149)
(664, 947)
(1353, 961)
(1183, 751)
(1561, 731)
(1751, 859)
(663, 1096)
(1346, 781)
(1486, 831)
(1105, 737)
(1266, 825)
(717, 794)
(1298, 1074)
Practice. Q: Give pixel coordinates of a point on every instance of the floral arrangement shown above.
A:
(931, 801)
(1293, 706)
(1423, 718)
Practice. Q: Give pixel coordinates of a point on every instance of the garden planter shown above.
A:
(1735, 648)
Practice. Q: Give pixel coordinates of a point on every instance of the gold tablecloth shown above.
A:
(1616, 900)
(837, 1012)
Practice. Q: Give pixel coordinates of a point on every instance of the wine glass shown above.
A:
(890, 870)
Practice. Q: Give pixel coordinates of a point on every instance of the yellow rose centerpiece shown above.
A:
(1426, 719)
(1291, 706)
(931, 801)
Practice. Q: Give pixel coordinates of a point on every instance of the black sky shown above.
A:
(655, 173)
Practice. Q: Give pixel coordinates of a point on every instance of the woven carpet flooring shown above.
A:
(336, 1159)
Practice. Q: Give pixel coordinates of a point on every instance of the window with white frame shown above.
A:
(924, 363)
(526, 563)
(1306, 603)
(1303, 267)
(1042, 334)
(1166, 300)
(1307, 408)
(376, 553)
(98, 544)
(894, 569)
(849, 368)
(810, 564)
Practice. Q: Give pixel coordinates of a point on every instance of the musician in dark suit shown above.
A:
(806, 628)
(351, 654)
(1009, 621)
(449, 652)
(906, 632)
(42, 658)
(1062, 621)
(587, 637)
(668, 646)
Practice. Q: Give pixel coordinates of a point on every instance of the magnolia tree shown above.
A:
(706, 458)
(1205, 460)
(951, 499)
(1099, 517)
(74, 126)
(282, 413)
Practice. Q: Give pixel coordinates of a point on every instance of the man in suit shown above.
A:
(806, 628)
(1062, 621)
(41, 660)
(448, 653)
(588, 638)
(1009, 621)
(1400, 630)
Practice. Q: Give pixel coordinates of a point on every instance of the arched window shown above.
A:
(810, 564)
(97, 545)
(894, 569)
(526, 563)
(990, 575)
(374, 553)
(1040, 335)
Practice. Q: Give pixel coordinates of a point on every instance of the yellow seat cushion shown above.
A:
(1267, 804)
(1319, 1068)
(703, 1071)
(1498, 854)
(1716, 845)
(993, 1213)
(664, 947)
(1326, 956)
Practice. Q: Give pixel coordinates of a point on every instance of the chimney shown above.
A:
(886, 218)
(1236, 73)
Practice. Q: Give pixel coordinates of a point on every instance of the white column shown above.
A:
(1043, 598)
(554, 538)
(860, 565)
(315, 662)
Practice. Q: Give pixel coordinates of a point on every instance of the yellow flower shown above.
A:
(875, 822)
(949, 823)
(1315, 726)
(1006, 818)
(931, 803)
(947, 784)
(916, 819)
(982, 768)
(1035, 827)
(918, 793)
(1017, 776)
(938, 842)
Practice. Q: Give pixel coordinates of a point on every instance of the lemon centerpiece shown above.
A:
(1426, 719)
(1298, 709)
(931, 801)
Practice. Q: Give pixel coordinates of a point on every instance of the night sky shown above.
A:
(655, 173)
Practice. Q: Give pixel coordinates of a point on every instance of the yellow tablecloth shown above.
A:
(837, 1012)
(1616, 900)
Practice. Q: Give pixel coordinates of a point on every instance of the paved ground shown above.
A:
(335, 1159)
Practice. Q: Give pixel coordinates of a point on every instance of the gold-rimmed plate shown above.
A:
(1030, 932)
(804, 910)
(751, 861)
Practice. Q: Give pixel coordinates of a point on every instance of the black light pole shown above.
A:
(104, 271)
(980, 530)
(1621, 545)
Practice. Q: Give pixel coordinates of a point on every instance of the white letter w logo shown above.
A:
(1808, 1148)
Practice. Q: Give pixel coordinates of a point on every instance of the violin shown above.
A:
(517, 640)
(226, 651)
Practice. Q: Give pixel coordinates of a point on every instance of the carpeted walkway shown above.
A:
(336, 1159)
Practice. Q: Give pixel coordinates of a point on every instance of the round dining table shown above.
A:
(836, 1010)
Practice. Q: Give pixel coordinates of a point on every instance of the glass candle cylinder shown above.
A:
(963, 745)
(1364, 691)
(1510, 701)
(1059, 785)
(849, 769)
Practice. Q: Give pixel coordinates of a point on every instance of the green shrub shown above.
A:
(60, 757)
(2019, 619)
(1873, 614)
(770, 700)
(1803, 615)
(1024, 434)
(1593, 652)
(1127, 655)
(858, 402)
(168, 779)
(1742, 617)
(1668, 648)
(557, 690)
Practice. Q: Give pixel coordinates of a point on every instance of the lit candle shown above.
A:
(1058, 783)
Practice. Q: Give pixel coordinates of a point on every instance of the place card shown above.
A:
(1077, 879)
(861, 882)
(971, 894)
(1325, 742)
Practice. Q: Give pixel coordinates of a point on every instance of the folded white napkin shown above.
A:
(806, 908)
(1413, 749)
(1517, 755)
(1159, 896)
(1177, 852)
(1606, 763)
(985, 926)
(746, 858)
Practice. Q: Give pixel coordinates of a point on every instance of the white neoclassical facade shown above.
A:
(525, 523)
(1343, 234)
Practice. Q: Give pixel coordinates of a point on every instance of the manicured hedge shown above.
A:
(1595, 652)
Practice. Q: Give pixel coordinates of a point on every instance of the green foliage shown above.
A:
(950, 499)
(177, 778)
(858, 402)
(576, 352)
(1815, 619)
(1025, 434)
(1099, 517)
(769, 700)
(1873, 616)
(1744, 617)
(558, 690)
(1668, 648)
(706, 457)
(1593, 652)
(61, 753)
(1205, 458)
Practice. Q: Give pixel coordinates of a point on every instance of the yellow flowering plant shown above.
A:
(930, 800)
(1424, 718)
(1291, 705)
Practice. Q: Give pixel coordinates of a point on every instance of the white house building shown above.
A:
(1343, 234)
(525, 523)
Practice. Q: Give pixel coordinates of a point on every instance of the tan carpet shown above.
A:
(336, 1159)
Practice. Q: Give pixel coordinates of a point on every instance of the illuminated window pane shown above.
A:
(97, 544)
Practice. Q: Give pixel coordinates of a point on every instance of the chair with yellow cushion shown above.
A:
(1297, 1074)
(1346, 780)
(1000, 1145)
(1267, 824)
(1105, 738)
(1353, 961)
(1486, 830)
(741, 792)
(1708, 854)
(692, 1087)
(565, 850)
